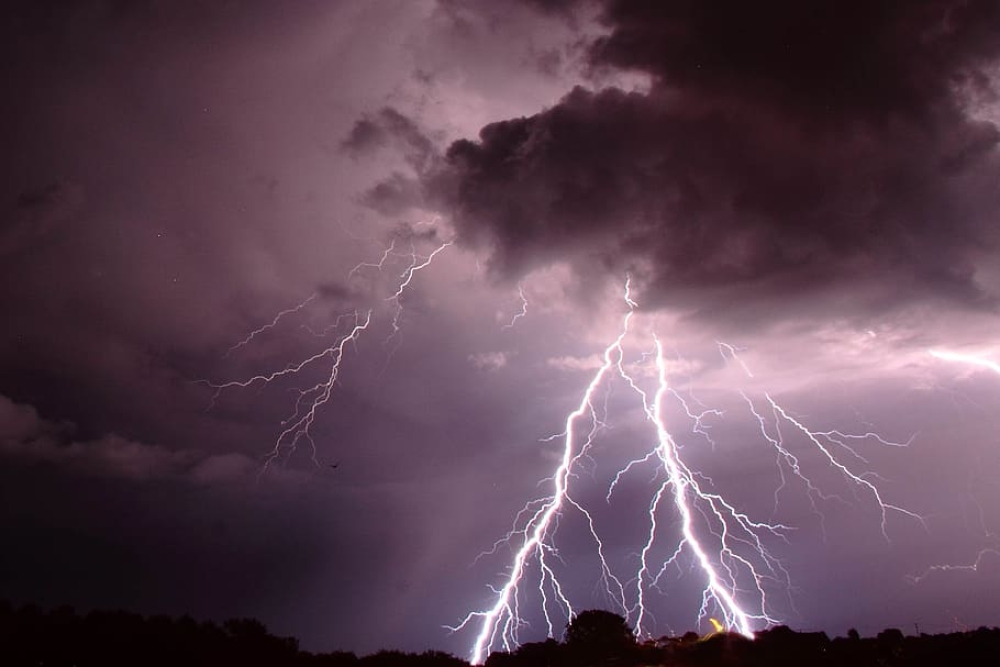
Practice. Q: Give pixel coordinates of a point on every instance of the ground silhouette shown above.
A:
(63, 638)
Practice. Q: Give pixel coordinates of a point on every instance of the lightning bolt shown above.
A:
(971, 567)
(719, 572)
(499, 625)
(417, 263)
(726, 546)
(521, 313)
(825, 442)
(987, 363)
(297, 427)
(501, 622)
(973, 359)
(270, 325)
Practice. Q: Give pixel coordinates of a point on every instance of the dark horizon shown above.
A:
(30, 636)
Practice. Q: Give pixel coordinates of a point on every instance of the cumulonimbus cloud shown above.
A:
(783, 151)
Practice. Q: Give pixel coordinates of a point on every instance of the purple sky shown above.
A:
(812, 183)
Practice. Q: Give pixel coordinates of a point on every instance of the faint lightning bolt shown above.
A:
(310, 400)
(824, 442)
(521, 313)
(726, 347)
(971, 567)
(975, 360)
(270, 325)
(417, 263)
(983, 362)
(296, 428)
(821, 440)
(379, 265)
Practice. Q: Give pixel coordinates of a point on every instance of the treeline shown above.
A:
(61, 637)
(604, 640)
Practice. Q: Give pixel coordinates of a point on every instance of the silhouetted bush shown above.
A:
(549, 653)
(29, 636)
(597, 637)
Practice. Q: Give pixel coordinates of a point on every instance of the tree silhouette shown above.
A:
(598, 636)
(596, 628)
(30, 637)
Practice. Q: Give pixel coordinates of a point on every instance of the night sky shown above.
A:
(812, 183)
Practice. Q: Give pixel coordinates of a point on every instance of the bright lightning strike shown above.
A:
(719, 572)
(501, 623)
(727, 547)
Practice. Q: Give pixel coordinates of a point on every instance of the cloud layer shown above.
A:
(783, 151)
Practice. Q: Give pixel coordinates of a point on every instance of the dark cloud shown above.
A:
(554, 6)
(394, 196)
(390, 128)
(818, 61)
(783, 150)
(334, 292)
(37, 216)
(24, 435)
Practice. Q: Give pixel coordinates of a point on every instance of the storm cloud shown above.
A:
(783, 151)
